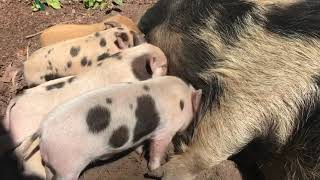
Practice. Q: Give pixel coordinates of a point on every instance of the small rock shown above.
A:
(47, 13)
(73, 11)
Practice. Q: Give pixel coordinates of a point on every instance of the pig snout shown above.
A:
(147, 61)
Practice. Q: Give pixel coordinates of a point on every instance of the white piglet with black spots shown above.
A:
(25, 112)
(107, 121)
(77, 55)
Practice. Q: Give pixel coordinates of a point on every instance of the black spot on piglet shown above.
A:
(49, 77)
(147, 117)
(74, 51)
(69, 64)
(55, 86)
(84, 61)
(119, 137)
(141, 68)
(98, 119)
(103, 42)
(109, 100)
(146, 88)
(103, 56)
(70, 80)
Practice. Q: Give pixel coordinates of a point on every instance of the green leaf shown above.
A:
(39, 5)
(103, 5)
(91, 3)
(96, 5)
(54, 4)
(118, 2)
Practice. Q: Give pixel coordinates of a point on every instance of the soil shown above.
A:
(18, 21)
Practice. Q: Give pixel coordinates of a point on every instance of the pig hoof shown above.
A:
(152, 165)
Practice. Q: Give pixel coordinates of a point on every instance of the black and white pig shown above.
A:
(72, 57)
(106, 121)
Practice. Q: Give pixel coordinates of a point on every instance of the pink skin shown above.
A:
(23, 118)
(67, 147)
(162, 139)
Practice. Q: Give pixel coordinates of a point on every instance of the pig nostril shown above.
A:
(148, 68)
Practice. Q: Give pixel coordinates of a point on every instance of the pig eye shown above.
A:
(148, 68)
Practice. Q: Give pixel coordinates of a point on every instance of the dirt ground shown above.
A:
(18, 21)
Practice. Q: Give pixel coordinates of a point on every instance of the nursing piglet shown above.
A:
(134, 64)
(78, 55)
(106, 121)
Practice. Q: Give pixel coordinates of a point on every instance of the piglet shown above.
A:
(107, 121)
(63, 32)
(26, 111)
(77, 55)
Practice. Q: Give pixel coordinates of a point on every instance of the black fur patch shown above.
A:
(89, 63)
(231, 19)
(119, 137)
(120, 28)
(297, 20)
(99, 64)
(103, 42)
(140, 67)
(146, 88)
(109, 100)
(181, 104)
(103, 56)
(147, 117)
(33, 85)
(316, 79)
(98, 119)
(74, 51)
(69, 64)
(70, 80)
(50, 50)
(116, 55)
(97, 34)
(84, 61)
(49, 77)
(55, 86)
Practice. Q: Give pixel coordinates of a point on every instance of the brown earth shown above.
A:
(18, 21)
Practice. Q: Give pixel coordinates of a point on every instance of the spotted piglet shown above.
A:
(77, 55)
(63, 32)
(26, 111)
(106, 121)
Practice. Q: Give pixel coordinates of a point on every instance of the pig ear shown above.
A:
(195, 99)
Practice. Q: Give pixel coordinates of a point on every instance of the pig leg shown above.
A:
(158, 149)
